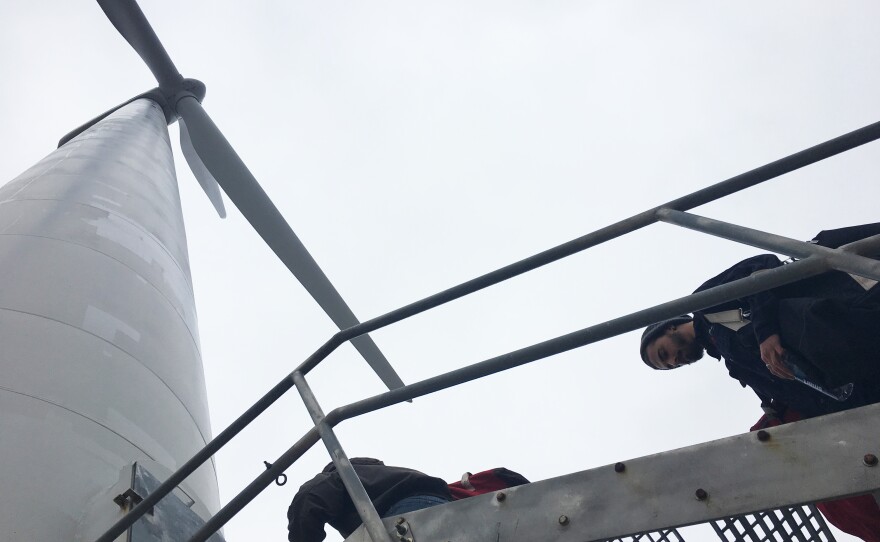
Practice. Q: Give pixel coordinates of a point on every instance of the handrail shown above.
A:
(732, 185)
(809, 266)
(816, 261)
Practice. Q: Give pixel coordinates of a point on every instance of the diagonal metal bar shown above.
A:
(196, 461)
(260, 483)
(823, 526)
(844, 260)
(359, 497)
(787, 516)
(869, 246)
(716, 191)
(611, 328)
(805, 515)
(795, 518)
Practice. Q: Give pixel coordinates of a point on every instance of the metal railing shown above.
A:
(814, 260)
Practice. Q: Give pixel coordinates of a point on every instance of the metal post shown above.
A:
(362, 502)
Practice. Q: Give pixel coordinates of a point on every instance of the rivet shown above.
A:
(701, 494)
(619, 467)
(563, 520)
(500, 496)
(870, 460)
(763, 436)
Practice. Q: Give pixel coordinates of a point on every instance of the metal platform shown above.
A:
(813, 460)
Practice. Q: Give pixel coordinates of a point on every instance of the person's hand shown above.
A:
(773, 355)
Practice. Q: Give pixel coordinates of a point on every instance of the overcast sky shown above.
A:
(414, 145)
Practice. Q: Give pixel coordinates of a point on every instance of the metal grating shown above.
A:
(799, 524)
(665, 535)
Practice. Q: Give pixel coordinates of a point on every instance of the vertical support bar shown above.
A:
(362, 502)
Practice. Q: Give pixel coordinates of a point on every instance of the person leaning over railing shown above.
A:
(393, 490)
(824, 331)
(813, 345)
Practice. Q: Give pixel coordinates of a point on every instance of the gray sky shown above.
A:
(416, 145)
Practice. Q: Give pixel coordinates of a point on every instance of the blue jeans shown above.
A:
(413, 503)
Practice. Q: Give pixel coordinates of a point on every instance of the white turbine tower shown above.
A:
(100, 358)
(103, 391)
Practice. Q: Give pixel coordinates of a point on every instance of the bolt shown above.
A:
(763, 436)
(619, 467)
(500, 496)
(401, 528)
(870, 460)
(563, 520)
(701, 494)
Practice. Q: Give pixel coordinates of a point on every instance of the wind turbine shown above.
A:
(214, 162)
(103, 391)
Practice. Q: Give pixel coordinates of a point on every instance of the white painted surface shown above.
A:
(100, 361)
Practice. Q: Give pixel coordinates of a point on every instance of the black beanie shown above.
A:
(655, 330)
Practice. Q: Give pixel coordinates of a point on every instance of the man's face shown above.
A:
(673, 349)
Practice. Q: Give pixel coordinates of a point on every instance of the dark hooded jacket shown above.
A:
(829, 320)
(323, 499)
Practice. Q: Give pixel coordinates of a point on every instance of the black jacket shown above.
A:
(829, 319)
(323, 499)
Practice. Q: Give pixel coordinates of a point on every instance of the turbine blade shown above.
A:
(206, 180)
(130, 21)
(242, 188)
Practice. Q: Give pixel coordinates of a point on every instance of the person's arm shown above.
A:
(764, 307)
(305, 519)
(765, 320)
(317, 503)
